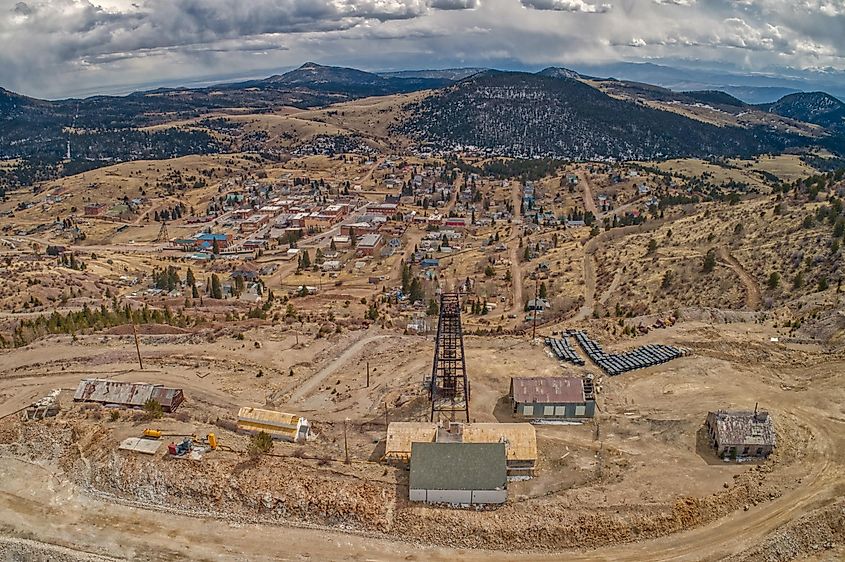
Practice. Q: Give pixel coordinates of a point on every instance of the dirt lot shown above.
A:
(640, 473)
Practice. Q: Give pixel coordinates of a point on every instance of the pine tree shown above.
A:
(416, 292)
(406, 278)
(216, 288)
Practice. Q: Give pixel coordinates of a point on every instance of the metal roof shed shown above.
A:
(458, 473)
(555, 398)
(130, 394)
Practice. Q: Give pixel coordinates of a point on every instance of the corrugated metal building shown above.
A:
(741, 434)
(555, 398)
(287, 427)
(520, 440)
(129, 394)
(458, 473)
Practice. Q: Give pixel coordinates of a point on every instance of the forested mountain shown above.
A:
(348, 82)
(449, 74)
(812, 107)
(531, 115)
(559, 72)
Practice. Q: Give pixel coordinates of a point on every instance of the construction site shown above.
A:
(424, 445)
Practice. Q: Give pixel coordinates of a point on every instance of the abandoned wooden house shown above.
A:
(128, 394)
(741, 434)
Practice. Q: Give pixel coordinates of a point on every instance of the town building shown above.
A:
(254, 222)
(247, 272)
(370, 244)
(540, 305)
(553, 398)
(357, 228)
(458, 473)
(384, 209)
(342, 241)
(741, 434)
(206, 240)
(94, 210)
(128, 394)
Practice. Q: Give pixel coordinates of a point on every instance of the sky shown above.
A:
(60, 48)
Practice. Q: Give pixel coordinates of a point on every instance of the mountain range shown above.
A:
(554, 112)
(533, 115)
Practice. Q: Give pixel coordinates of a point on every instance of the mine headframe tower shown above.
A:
(163, 236)
(449, 387)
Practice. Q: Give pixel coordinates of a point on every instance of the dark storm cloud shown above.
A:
(55, 47)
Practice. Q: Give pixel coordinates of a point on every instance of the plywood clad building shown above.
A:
(556, 398)
(287, 427)
(458, 473)
(520, 440)
(400, 436)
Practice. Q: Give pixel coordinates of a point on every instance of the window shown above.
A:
(548, 410)
(528, 410)
(580, 410)
(759, 451)
(560, 411)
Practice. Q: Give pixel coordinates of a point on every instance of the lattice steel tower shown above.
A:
(449, 390)
(163, 236)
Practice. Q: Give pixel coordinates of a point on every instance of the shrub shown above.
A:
(153, 408)
(260, 443)
(709, 261)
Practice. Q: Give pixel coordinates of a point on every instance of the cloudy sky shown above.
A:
(54, 48)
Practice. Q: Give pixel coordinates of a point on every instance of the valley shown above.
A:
(284, 244)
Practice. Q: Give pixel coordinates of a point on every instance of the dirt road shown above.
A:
(589, 200)
(314, 382)
(60, 516)
(516, 277)
(753, 298)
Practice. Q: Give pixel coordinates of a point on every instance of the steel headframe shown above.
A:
(449, 390)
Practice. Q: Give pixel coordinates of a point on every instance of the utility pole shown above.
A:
(386, 419)
(534, 312)
(137, 345)
(345, 442)
(368, 374)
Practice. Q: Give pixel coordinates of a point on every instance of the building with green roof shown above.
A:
(459, 473)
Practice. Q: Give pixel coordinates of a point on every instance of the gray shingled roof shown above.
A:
(458, 466)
